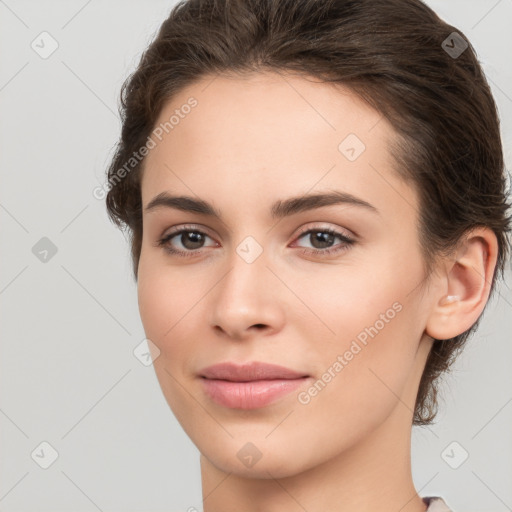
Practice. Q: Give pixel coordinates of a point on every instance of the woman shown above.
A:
(316, 201)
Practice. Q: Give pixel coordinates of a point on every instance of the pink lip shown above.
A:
(249, 386)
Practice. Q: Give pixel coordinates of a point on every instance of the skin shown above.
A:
(249, 142)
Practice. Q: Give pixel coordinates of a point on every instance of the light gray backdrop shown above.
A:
(70, 322)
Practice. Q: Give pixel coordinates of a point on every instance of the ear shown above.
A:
(464, 286)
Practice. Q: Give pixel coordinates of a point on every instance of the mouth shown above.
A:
(249, 386)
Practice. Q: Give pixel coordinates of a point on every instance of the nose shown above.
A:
(246, 300)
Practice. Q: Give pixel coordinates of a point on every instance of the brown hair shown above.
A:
(395, 54)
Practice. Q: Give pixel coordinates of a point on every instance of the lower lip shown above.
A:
(249, 395)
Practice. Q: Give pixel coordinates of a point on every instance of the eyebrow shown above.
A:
(279, 210)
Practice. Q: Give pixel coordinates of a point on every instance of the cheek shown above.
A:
(169, 306)
(362, 375)
(366, 363)
(163, 306)
(152, 301)
(161, 302)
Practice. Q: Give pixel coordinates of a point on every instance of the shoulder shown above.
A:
(436, 504)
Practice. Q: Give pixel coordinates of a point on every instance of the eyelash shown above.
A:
(347, 242)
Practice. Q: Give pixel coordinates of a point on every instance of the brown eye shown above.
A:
(192, 239)
(322, 241)
(184, 242)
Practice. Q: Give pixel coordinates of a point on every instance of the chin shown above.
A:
(259, 460)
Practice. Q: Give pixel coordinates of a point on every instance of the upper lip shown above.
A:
(254, 370)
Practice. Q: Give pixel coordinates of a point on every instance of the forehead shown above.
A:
(269, 134)
(249, 112)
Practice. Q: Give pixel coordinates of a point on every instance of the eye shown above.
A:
(322, 240)
(190, 239)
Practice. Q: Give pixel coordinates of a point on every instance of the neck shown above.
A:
(373, 475)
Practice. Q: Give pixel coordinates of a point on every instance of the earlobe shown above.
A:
(464, 286)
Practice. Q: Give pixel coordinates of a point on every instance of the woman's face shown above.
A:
(332, 288)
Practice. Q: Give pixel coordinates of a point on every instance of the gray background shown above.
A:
(70, 325)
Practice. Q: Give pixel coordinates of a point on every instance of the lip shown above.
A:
(249, 386)
(253, 370)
